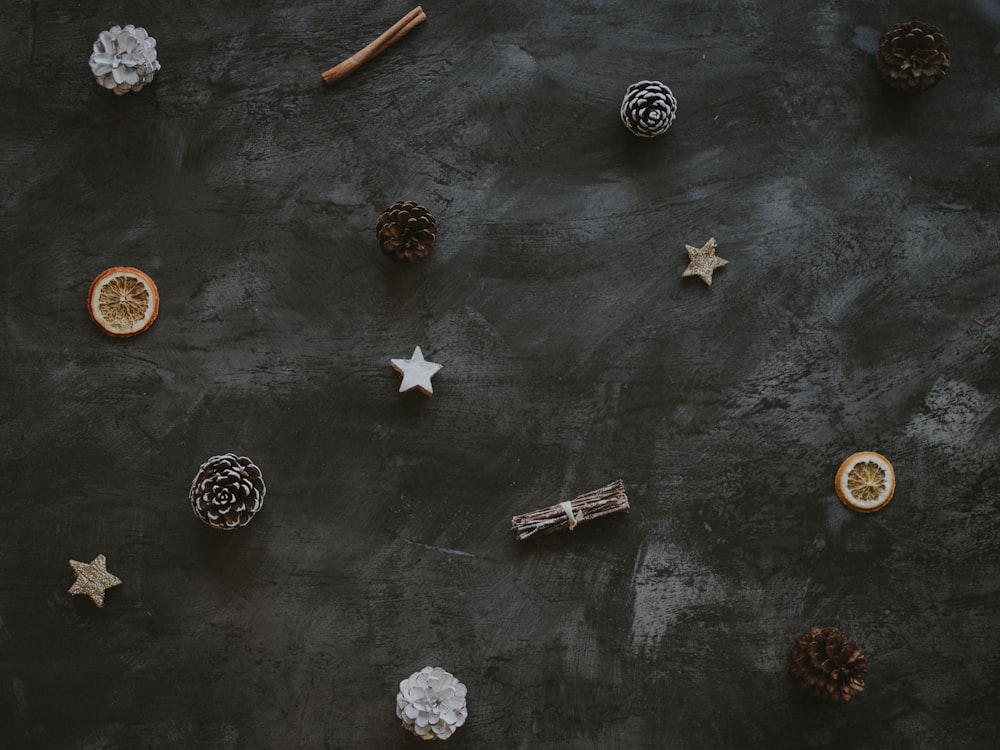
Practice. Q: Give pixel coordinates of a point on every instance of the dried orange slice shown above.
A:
(866, 481)
(123, 301)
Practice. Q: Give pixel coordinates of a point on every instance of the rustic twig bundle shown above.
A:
(566, 515)
(393, 34)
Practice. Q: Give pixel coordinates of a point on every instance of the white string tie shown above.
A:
(567, 507)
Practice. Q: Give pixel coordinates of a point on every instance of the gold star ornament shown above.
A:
(703, 261)
(93, 579)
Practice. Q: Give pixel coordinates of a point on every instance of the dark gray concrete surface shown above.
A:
(861, 229)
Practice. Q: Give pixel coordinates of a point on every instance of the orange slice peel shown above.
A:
(123, 301)
(866, 482)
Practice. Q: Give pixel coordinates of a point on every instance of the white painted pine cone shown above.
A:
(124, 59)
(228, 491)
(431, 703)
(648, 109)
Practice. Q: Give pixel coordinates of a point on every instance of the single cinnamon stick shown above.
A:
(588, 506)
(393, 34)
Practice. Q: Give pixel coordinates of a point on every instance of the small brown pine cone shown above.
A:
(227, 491)
(827, 664)
(406, 231)
(912, 56)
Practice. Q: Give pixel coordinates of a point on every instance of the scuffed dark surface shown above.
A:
(861, 229)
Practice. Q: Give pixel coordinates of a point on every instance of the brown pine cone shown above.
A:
(912, 56)
(406, 231)
(827, 664)
(228, 491)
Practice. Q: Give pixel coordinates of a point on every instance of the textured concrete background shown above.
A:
(861, 229)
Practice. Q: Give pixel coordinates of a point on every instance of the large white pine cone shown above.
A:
(431, 703)
(124, 59)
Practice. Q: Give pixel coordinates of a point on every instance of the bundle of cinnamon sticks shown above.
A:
(588, 506)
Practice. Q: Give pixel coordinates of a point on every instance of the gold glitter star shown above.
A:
(92, 579)
(703, 261)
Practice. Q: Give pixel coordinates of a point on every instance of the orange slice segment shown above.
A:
(123, 301)
(865, 481)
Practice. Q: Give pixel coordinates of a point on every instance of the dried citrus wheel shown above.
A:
(123, 301)
(866, 481)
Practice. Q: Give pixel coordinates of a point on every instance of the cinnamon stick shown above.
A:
(567, 515)
(393, 34)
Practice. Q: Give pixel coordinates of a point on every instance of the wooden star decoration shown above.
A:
(416, 372)
(703, 261)
(93, 579)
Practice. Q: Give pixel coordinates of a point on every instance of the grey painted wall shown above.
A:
(861, 229)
